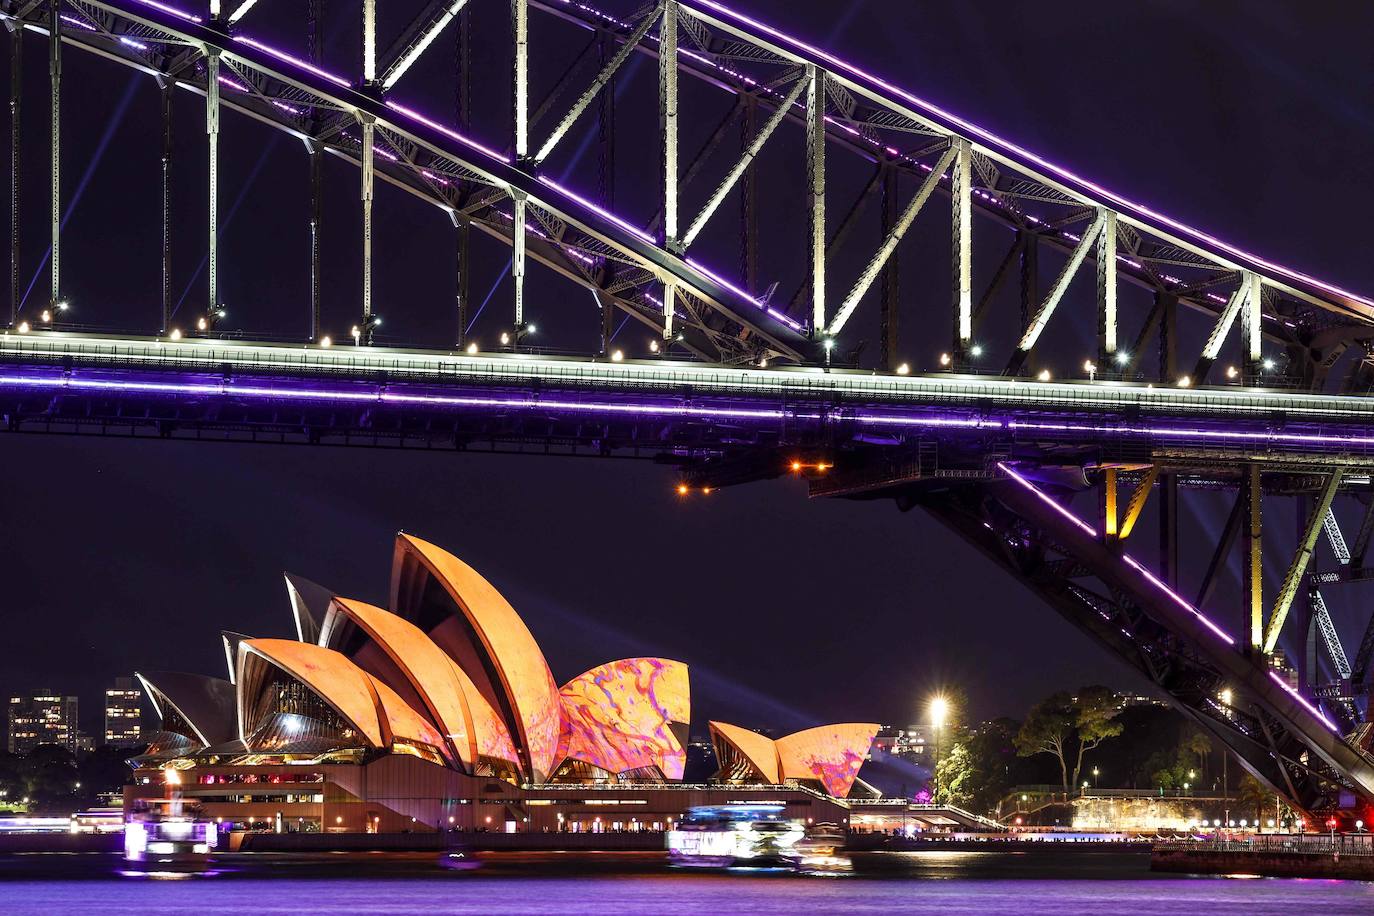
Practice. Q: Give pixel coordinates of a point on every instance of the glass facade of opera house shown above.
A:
(441, 714)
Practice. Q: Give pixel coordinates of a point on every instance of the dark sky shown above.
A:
(1249, 119)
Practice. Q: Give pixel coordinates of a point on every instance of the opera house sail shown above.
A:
(451, 679)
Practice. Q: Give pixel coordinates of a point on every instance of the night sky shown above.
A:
(1250, 119)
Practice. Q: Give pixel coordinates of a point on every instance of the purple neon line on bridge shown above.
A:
(994, 140)
(227, 389)
(842, 414)
(171, 10)
(1304, 701)
(1170, 432)
(1131, 561)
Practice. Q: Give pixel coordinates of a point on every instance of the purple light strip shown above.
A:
(392, 397)
(1130, 561)
(446, 131)
(283, 56)
(1168, 432)
(1305, 703)
(1064, 173)
(170, 10)
(790, 322)
(623, 224)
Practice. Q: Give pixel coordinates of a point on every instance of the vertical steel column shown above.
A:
(167, 85)
(888, 307)
(212, 132)
(16, 75)
(605, 174)
(1110, 523)
(517, 268)
(1168, 528)
(463, 103)
(961, 201)
(1168, 338)
(1254, 558)
(369, 42)
(1251, 321)
(1106, 293)
(520, 119)
(315, 155)
(815, 190)
(667, 124)
(369, 133)
(55, 82)
(1030, 276)
(520, 77)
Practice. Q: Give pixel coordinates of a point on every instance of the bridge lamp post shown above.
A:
(1090, 367)
(1095, 774)
(49, 315)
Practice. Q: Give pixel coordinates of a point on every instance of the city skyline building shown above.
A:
(124, 713)
(42, 717)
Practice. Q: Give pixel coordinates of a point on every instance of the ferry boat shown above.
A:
(170, 844)
(165, 838)
(731, 836)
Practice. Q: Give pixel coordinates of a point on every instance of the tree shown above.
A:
(1195, 742)
(979, 767)
(1251, 795)
(1094, 719)
(955, 776)
(1048, 729)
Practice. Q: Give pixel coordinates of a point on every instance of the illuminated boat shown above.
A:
(170, 844)
(728, 836)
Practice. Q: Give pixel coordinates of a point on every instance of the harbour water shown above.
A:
(940, 882)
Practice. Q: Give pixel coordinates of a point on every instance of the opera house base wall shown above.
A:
(398, 793)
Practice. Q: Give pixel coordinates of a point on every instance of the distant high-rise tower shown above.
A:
(44, 717)
(123, 713)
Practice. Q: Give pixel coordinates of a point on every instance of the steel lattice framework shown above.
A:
(745, 386)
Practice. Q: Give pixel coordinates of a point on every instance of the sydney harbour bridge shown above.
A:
(821, 274)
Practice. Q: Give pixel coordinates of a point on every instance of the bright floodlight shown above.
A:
(939, 711)
(944, 359)
(1226, 697)
(617, 356)
(1122, 357)
(653, 346)
(1044, 375)
(472, 349)
(326, 341)
(976, 350)
(1268, 365)
(903, 369)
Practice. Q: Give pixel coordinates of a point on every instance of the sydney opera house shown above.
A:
(441, 713)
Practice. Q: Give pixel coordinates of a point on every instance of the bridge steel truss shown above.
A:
(747, 388)
(650, 273)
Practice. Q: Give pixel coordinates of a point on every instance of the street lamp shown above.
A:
(1095, 777)
(939, 710)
